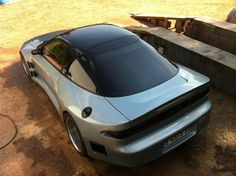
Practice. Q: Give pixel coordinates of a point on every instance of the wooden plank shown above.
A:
(159, 16)
(179, 26)
(160, 20)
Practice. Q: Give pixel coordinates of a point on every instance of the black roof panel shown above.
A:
(88, 38)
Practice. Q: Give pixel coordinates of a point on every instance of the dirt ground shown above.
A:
(27, 18)
(41, 146)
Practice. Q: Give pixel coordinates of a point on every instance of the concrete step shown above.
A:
(220, 34)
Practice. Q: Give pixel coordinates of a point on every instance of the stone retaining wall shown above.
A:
(220, 34)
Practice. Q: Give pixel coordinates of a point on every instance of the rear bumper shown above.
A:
(146, 147)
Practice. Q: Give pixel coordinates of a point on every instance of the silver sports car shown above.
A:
(121, 101)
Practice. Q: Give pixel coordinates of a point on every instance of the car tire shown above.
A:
(25, 67)
(74, 134)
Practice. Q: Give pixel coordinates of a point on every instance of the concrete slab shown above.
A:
(220, 34)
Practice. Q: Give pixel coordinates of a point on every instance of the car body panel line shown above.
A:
(117, 109)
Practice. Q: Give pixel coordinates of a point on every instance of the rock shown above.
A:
(232, 16)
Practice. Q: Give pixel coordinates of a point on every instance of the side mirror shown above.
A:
(36, 51)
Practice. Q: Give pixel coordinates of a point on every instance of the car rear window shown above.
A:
(128, 69)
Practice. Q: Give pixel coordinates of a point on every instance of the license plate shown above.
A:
(178, 136)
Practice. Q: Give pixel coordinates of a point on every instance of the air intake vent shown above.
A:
(30, 65)
(99, 148)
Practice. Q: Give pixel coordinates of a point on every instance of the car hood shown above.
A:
(135, 106)
(36, 41)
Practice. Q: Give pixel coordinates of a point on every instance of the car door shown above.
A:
(49, 66)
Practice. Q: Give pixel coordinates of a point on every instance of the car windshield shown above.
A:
(128, 69)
